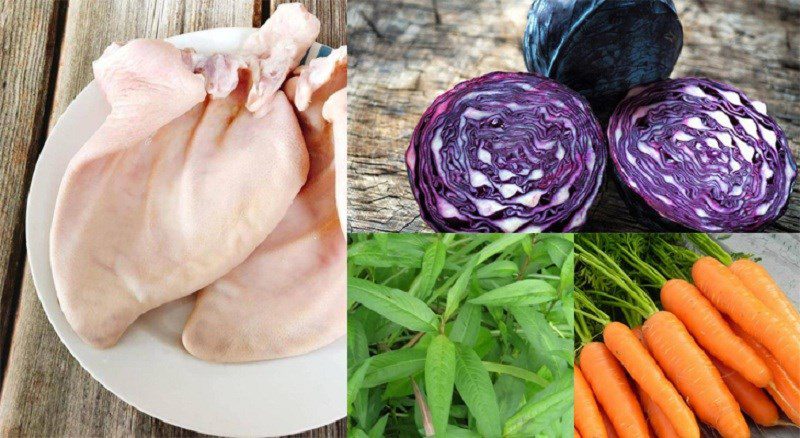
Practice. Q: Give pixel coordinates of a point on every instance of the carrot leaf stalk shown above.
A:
(710, 247)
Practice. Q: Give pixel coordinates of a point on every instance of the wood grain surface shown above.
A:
(27, 30)
(45, 392)
(330, 12)
(405, 53)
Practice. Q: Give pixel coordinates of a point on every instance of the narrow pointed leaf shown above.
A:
(357, 345)
(538, 414)
(440, 374)
(356, 380)
(432, 264)
(498, 269)
(357, 433)
(379, 428)
(558, 248)
(517, 372)
(537, 332)
(393, 365)
(475, 387)
(521, 293)
(395, 305)
(459, 289)
(567, 274)
(377, 253)
(466, 326)
(500, 245)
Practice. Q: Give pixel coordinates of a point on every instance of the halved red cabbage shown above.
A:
(602, 48)
(695, 153)
(506, 152)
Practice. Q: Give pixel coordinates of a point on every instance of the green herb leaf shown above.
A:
(356, 380)
(501, 244)
(457, 432)
(510, 394)
(459, 289)
(357, 345)
(521, 293)
(395, 305)
(567, 274)
(475, 387)
(498, 269)
(484, 342)
(385, 253)
(397, 388)
(356, 433)
(466, 326)
(393, 365)
(379, 428)
(440, 374)
(432, 264)
(537, 332)
(557, 247)
(538, 414)
(517, 372)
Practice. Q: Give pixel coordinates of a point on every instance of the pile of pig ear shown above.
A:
(212, 173)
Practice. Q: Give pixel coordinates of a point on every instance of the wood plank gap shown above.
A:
(16, 262)
(264, 11)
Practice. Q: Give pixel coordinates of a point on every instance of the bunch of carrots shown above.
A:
(724, 343)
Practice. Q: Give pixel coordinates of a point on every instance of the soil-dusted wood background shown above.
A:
(405, 53)
(47, 49)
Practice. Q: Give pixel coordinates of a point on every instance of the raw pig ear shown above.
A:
(321, 78)
(149, 80)
(290, 25)
(335, 111)
(289, 297)
(172, 192)
(277, 49)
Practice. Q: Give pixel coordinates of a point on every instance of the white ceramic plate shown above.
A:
(149, 368)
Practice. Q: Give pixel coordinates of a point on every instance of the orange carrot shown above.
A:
(577, 434)
(761, 284)
(655, 416)
(710, 330)
(610, 386)
(731, 297)
(624, 345)
(609, 427)
(587, 415)
(659, 423)
(783, 390)
(751, 399)
(693, 374)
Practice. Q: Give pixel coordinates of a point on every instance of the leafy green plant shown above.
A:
(460, 335)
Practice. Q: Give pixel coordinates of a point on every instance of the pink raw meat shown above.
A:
(289, 297)
(176, 188)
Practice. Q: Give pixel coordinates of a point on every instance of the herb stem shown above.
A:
(414, 340)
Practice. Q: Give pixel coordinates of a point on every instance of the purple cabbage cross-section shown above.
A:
(506, 152)
(693, 153)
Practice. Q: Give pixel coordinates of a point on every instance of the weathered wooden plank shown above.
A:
(331, 14)
(405, 53)
(333, 430)
(46, 392)
(28, 33)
